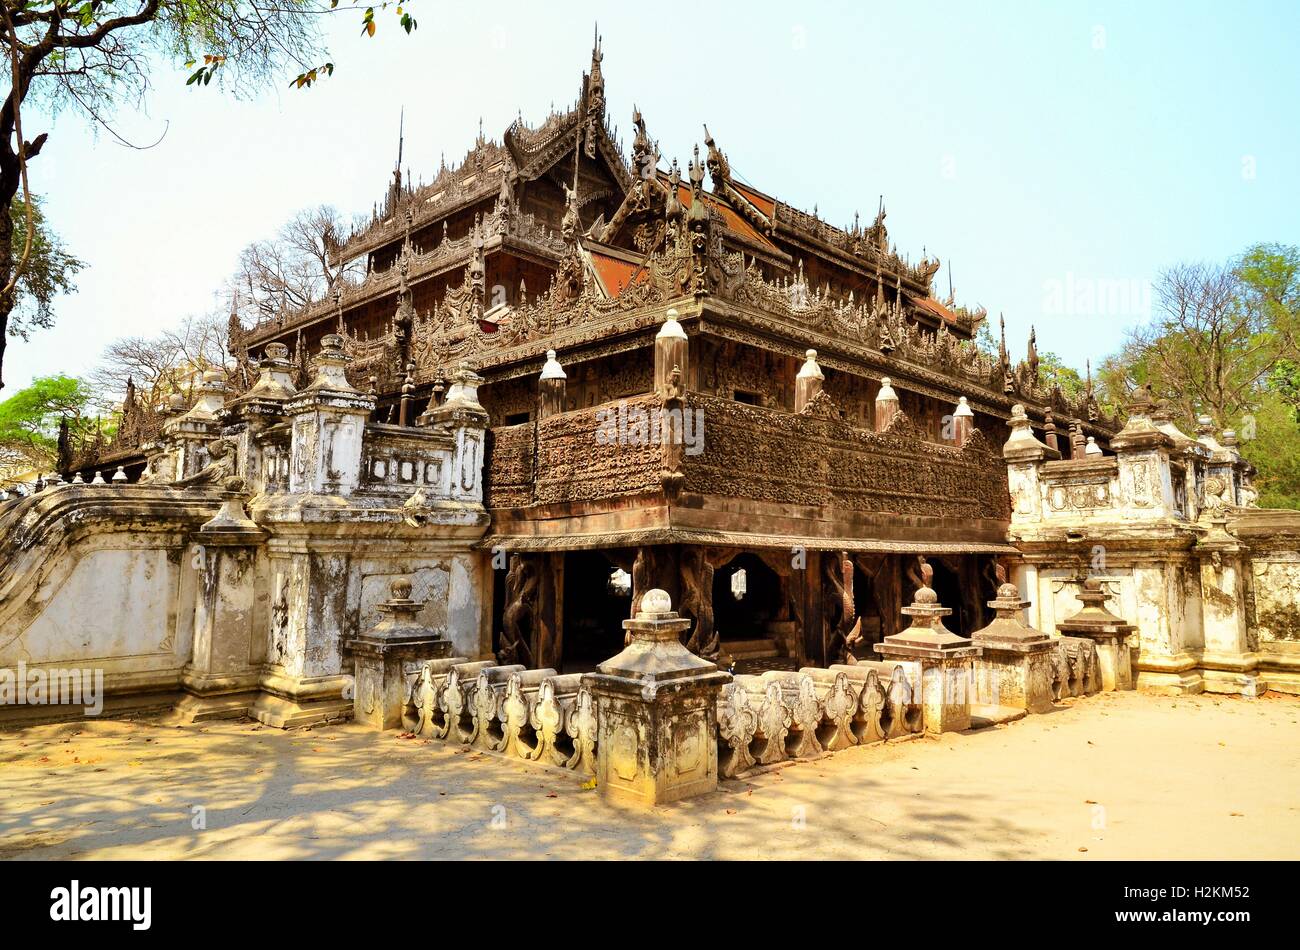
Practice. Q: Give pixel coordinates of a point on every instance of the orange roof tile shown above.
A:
(616, 274)
(733, 220)
(759, 200)
(935, 308)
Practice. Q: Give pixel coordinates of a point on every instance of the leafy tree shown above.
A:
(1224, 343)
(1272, 443)
(91, 56)
(49, 272)
(1218, 334)
(30, 420)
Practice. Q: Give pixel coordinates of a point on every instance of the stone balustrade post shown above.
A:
(220, 681)
(946, 660)
(182, 449)
(656, 708)
(262, 407)
(1024, 454)
(462, 413)
(380, 656)
(1015, 668)
(1109, 632)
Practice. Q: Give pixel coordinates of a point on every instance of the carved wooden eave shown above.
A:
(476, 179)
(556, 145)
(797, 228)
(751, 326)
(633, 538)
(611, 336)
(741, 324)
(529, 241)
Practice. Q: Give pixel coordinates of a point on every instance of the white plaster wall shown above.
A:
(115, 604)
(466, 602)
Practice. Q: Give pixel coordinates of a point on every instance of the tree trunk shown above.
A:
(6, 269)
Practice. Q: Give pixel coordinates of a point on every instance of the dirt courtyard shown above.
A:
(1119, 775)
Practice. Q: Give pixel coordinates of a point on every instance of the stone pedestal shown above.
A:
(380, 657)
(220, 681)
(1015, 668)
(946, 660)
(1110, 633)
(656, 708)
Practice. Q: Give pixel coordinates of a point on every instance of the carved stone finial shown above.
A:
(400, 588)
(655, 603)
(330, 364)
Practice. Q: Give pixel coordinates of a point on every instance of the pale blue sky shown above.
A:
(1038, 147)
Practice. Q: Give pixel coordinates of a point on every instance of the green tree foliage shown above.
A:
(1223, 343)
(91, 56)
(1273, 445)
(30, 420)
(50, 271)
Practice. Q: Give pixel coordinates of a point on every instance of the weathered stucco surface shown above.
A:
(264, 534)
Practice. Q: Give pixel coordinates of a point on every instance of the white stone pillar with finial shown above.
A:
(551, 387)
(963, 422)
(946, 659)
(329, 420)
(220, 680)
(808, 382)
(886, 405)
(656, 712)
(672, 352)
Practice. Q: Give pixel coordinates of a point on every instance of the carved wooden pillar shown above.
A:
(886, 405)
(551, 385)
(519, 616)
(972, 594)
(697, 600)
(837, 605)
(548, 619)
(814, 641)
(656, 566)
(808, 383)
(889, 595)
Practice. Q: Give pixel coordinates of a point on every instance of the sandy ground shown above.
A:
(1112, 776)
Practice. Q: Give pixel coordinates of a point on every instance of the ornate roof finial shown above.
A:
(719, 168)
